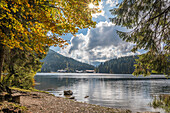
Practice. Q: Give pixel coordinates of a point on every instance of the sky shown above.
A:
(99, 44)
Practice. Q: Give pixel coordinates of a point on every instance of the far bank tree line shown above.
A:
(122, 65)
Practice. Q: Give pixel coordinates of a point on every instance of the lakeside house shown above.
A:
(89, 71)
(61, 71)
(79, 71)
(85, 71)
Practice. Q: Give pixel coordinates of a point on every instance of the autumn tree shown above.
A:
(149, 24)
(24, 24)
(21, 65)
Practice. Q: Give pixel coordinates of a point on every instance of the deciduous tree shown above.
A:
(21, 65)
(24, 24)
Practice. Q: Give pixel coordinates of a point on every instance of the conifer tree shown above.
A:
(149, 21)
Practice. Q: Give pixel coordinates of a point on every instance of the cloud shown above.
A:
(112, 3)
(98, 45)
(104, 35)
(76, 42)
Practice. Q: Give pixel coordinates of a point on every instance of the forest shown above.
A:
(122, 65)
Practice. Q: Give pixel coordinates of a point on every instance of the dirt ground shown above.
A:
(40, 102)
(37, 102)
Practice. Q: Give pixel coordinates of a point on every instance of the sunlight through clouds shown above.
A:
(91, 6)
(99, 44)
(101, 8)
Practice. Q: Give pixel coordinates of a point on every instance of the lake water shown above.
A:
(112, 90)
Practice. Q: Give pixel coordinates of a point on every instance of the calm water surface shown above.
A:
(111, 90)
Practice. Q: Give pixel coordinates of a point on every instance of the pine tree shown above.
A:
(149, 24)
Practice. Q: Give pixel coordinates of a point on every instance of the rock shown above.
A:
(34, 94)
(16, 99)
(36, 97)
(71, 98)
(86, 96)
(69, 92)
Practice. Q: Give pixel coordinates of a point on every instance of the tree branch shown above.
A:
(166, 10)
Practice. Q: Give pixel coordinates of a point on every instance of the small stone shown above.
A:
(69, 92)
(86, 96)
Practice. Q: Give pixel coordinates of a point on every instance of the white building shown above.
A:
(61, 71)
(90, 71)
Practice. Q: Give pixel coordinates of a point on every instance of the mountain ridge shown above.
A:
(55, 61)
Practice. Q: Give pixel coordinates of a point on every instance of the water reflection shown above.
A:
(108, 91)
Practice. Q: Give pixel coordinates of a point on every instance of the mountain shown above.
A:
(95, 63)
(55, 61)
(123, 65)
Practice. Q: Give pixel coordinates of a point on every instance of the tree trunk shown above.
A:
(3, 88)
(2, 54)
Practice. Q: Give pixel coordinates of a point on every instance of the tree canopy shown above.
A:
(24, 24)
(21, 65)
(29, 27)
(150, 29)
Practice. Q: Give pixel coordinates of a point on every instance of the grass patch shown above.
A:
(19, 89)
(36, 90)
(29, 90)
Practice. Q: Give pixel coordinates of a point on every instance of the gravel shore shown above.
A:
(38, 102)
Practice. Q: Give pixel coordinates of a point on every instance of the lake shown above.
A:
(112, 90)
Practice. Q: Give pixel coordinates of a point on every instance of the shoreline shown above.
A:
(41, 102)
(106, 76)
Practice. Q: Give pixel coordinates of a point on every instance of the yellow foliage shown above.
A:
(25, 23)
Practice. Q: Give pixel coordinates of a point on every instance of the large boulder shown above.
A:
(69, 92)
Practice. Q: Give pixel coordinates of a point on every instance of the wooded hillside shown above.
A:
(123, 65)
(55, 61)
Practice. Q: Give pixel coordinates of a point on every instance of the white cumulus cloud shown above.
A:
(98, 45)
(112, 3)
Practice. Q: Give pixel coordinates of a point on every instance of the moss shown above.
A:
(36, 90)
(28, 90)
(11, 107)
(19, 89)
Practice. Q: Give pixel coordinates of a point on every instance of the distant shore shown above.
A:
(112, 76)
